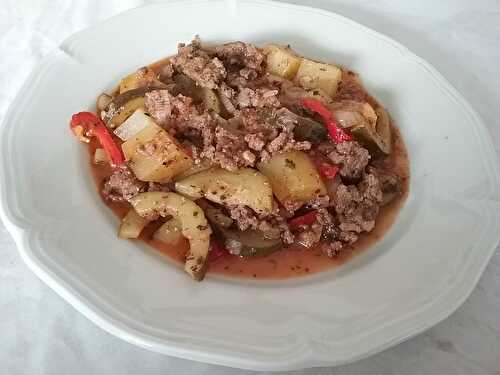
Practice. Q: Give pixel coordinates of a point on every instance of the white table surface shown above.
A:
(42, 334)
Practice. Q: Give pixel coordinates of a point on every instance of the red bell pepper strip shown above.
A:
(335, 130)
(299, 221)
(217, 250)
(328, 170)
(87, 124)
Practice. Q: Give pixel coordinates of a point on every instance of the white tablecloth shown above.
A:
(42, 334)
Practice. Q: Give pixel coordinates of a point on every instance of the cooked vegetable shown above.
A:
(383, 129)
(370, 127)
(133, 125)
(187, 87)
(336, 132)
(85, 124)
(281, 61)
(303, 220)
(307, 129)
(293, 177)
(170, 233)
(375, 136)
(102, 102)
(315, 75)
(132, 225)
(194, 225)
(100, 156)
(243, 187)
(217, 217)
(154, 155)
(250, 243)
(290, 95)
(140, 78)
(123, 105)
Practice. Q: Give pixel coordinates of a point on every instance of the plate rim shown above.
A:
(22, 232)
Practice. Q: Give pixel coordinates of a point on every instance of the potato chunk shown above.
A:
(316, 75)
(154, 155)
(242, 187)
(281, 61)
(294, 178)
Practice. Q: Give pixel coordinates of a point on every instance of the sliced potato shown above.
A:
(281, 61)
(194, 225)
(316, 75)
(154, 155)
(140, 78)
(293, 177)
(132, 225)
(243, 187)
(133, 125)
(169, 233)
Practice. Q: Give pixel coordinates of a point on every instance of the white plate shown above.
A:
(420, 272)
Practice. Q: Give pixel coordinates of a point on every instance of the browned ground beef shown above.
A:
(198, 65)
(122, 185)
(255, 124)
(358, 206)
(271, 226)
(352, 157)
(241, 54)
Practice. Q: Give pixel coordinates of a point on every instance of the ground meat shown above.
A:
(196, 63)
(255, 141)
(248, 73)
(242, 141)
(261, 97)
(241, 54)
(271, 226)
(358, 206)
(231, 151)
(319, 201)
(310, 236)
(122, 185)
(352, 157)
(271, 132)
(227, 97)
(166, 72)
(158, 105)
